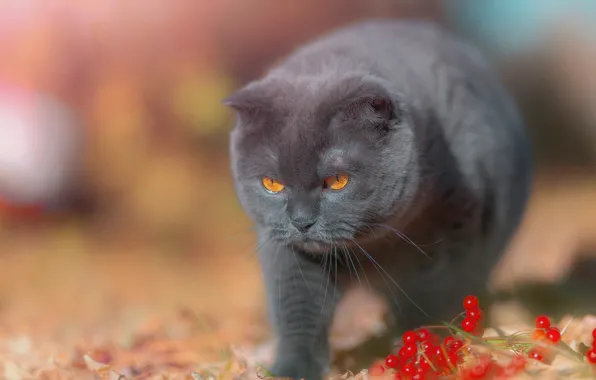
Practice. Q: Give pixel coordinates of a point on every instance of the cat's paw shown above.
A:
(297, 370)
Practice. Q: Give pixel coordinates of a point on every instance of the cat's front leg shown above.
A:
(302, 296)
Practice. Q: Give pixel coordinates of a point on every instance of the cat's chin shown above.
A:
(312, 246)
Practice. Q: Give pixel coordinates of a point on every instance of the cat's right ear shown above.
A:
(249, 102)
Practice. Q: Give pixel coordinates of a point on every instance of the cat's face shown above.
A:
(318, 167)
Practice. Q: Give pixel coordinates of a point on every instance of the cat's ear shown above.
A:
(375, 110)
(250, 101)
(244, 99)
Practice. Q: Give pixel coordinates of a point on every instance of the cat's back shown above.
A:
(412, 57)
(381, 47)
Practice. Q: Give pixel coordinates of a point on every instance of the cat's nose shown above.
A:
(303, 225)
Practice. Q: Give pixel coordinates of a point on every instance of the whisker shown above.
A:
(393, 296)
(349, 263)
(263, 243)
(361, 266)
(252, 253)
(405, 238)
(300, 269)
(248, 229)
(336, 258)
(431, 244)
(389, 277)
(328, 270)
(323, 269)
(278, 282)
(385, 237)
(348, 254)
(294, 277)
(321, 321)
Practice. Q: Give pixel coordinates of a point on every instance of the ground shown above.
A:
(149, 316)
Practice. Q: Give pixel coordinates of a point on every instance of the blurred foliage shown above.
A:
(142, 110)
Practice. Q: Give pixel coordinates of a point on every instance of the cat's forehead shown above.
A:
(302, 132)
(304, 141)
(314, 152)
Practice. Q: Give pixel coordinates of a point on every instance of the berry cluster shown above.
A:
(424, 355)
(544, 333)
(591, 354)
(472, 321)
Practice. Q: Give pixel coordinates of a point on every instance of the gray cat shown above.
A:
(386, 153)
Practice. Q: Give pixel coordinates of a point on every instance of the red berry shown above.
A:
(542, 322)
(591, 356)
(470, 302)
(448, 340)
(408, 351)
(423, 365)
(423, 373)
(539, 335)
(392, 361)
(474, 314)
(423, 335)
(534, 354)
(455, 359)
(408, 369)
(437, 351)
(456, 345)
(409, 337)
(468, 324)
(594, 334)
(426, 346)
(553, 334)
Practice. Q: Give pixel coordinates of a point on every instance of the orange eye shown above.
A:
(337, 182)
(272, 185)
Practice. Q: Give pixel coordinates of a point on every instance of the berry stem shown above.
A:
(430, 363)
(432, 327)
(447, 359)
(466, 334)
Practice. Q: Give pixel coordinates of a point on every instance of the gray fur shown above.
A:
(444, 167)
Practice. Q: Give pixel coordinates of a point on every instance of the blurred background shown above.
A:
(119, 226)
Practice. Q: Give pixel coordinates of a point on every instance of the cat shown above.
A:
(386, 153)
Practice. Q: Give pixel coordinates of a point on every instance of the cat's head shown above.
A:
(320, 162)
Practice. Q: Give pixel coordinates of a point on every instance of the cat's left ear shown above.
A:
(375, 110)
(381, 106)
